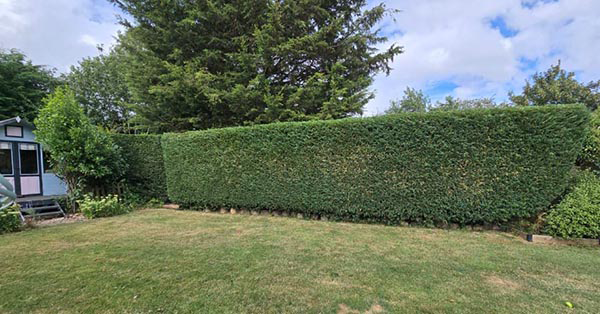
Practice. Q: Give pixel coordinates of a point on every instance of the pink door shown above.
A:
(29, 169)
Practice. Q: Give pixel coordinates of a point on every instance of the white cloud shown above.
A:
(447, 42)
(89, 40)
(452, 41)
(57, 33)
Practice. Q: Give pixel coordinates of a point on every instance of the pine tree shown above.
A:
(198, 64)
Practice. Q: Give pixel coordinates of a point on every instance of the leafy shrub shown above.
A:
(102, 207)
(10, 220)
(135, 200)
(145, 174)
(578, 214)
(466, 167)
(82, 154)
(154, 203)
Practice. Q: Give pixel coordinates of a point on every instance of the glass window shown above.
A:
(28, 158)
(6, 158)
(14, 131)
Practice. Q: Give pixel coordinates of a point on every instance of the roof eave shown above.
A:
(17, 120)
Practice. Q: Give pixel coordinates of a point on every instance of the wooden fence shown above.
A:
(103, 190)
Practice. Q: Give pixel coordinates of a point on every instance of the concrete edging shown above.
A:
(537, 238)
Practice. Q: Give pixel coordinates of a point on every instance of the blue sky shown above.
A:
(464, 48)
(479, 48)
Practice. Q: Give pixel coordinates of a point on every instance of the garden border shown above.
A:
(546, 239)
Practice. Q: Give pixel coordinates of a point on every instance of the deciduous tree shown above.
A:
(412, 101)
(416, 101)
(557, 86)
(454, 103)
(100, 88)
(23, 85)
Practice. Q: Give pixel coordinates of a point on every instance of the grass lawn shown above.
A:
(165, 261)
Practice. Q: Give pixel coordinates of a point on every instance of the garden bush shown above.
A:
(578, 214)
(105, 206)
(475, 166)
(145, 174)
(10, 220)
(83, 155)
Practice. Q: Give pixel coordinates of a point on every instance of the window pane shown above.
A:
(5, 158)
(27, 146)
(14, 131)
(29, 161)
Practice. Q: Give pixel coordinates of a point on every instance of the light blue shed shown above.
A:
(23, 162)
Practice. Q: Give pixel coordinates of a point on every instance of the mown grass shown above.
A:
(163, 261)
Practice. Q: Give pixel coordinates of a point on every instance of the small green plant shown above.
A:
(102, 207)
(10, 220)
(137, 200)
(578, 214)
(154, 203)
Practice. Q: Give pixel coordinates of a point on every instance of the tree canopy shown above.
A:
(222, 63)
(23, 85)
(557, 86)
(416, 101)
(412, 101)
(101, 89)
(81, 152)
(454, 103)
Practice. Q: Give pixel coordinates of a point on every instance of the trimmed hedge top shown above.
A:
(473, 166)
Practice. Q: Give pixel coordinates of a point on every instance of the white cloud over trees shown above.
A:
(465, 48)
(455, 43)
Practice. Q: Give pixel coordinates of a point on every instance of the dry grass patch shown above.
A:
(502, 284)
(344, 309)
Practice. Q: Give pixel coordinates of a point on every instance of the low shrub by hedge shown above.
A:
(10, 220)
(145, 174)
(475, 166)
(578, 214)
(106, 206)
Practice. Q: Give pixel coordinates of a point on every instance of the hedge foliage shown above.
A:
(475, 166)
(145, 174)
(590, 155)
(578, 214)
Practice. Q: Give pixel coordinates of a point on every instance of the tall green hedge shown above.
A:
(472, 166)
(145, 174)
